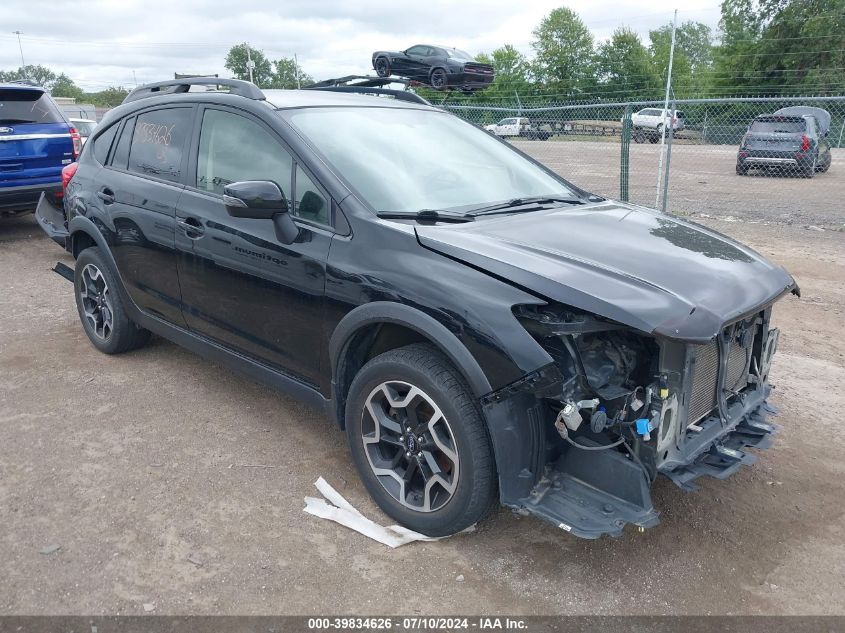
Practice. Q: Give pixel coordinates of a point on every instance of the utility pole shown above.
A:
(296, 71)
(665, 112)
(249, 63)
(20, 47)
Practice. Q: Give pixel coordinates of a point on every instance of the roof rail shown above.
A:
(173, 86)
(366, 84)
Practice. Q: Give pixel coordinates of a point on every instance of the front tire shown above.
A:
(101, 310)
(419, 442)
(383, 67)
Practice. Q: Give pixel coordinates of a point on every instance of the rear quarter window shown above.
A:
(102, 144)
(27, 106)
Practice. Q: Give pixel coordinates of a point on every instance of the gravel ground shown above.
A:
(156, 478)
(703, 181)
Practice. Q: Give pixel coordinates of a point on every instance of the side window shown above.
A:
(417, 50)
(233, 148)
(310, 204)
(121, 153)
(158, 141)
(102, 144)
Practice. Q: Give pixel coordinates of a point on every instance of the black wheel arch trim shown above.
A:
(402, 314)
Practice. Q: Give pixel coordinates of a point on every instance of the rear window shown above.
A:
(27, 106)
(778, 126)
(679, 114)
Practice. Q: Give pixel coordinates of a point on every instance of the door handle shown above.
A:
(106, 195)
(193, 227)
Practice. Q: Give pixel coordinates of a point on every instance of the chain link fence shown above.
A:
(710, 161)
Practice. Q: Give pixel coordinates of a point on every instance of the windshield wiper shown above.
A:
(424, 215)
(507, 207)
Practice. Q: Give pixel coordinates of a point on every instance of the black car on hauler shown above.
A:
(437, 66)
(482, 329)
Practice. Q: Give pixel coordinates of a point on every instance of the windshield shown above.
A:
(778, 126)
(27, 106)
(399, 159)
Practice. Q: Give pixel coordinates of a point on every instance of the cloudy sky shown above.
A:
(118, 42)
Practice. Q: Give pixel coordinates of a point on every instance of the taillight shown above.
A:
(805, 142)
(77, 142)
(67, 174)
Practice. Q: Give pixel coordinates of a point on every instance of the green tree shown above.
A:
(41, 75)
(236, 61)
(564, 52)
(625, 68)
(774, 47)
(110, 97)
(64, 87)
(660, 49)
(512, 68)
(288, 74)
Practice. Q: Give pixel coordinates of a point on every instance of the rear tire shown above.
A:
(741, 170)
(438, 79)
(101, 310)
(809, 171)
(417, 387)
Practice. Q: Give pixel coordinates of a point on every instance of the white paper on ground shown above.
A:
(343, 512)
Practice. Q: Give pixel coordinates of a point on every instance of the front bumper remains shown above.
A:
(590, 494)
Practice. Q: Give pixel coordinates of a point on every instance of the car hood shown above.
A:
(648, 270)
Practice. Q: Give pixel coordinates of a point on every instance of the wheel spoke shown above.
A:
(417, 468)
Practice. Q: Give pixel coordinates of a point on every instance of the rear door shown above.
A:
(240, 285)
(35, 140)
(136, 195)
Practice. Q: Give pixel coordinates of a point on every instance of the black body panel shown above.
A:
(650, 271)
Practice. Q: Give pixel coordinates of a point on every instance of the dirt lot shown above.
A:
(170, 481)
(703, 181)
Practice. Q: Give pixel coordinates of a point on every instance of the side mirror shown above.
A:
(261, 200)
(255, 199)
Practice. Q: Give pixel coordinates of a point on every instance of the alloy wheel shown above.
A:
(438, 78)
(96, 302)
(410, 446)
(382, 67)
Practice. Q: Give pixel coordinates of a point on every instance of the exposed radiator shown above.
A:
(705, 376)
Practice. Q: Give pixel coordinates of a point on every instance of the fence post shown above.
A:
(624, 163)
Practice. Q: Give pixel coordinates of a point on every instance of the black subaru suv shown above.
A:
(482, 329)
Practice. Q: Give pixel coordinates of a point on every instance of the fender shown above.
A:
(82, 224)
(428, 326)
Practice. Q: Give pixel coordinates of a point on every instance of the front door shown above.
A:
(240, 285)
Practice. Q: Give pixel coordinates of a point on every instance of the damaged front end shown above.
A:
(590, 432)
